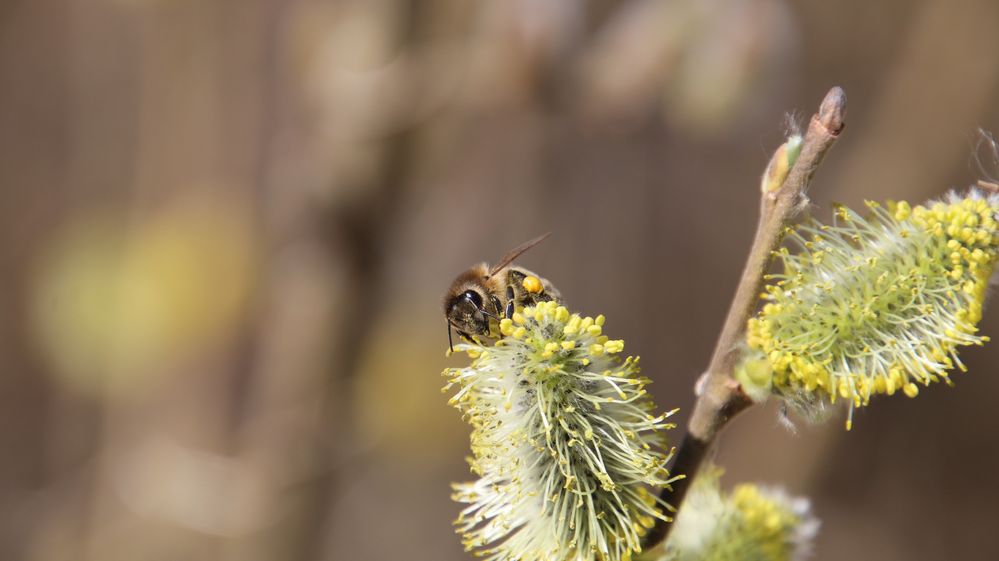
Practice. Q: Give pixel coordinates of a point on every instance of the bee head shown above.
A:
(466, 313)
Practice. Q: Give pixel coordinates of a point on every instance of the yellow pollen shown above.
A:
(561, 314)
(615, 346)
(532, 284)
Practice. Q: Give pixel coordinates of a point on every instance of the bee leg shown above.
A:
(497, 305)
(510, 296)
(509, 310)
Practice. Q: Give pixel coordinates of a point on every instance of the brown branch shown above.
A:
(721, 397)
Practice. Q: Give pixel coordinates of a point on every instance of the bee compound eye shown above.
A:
(474, 297)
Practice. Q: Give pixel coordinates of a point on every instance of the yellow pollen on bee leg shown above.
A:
(532, 284)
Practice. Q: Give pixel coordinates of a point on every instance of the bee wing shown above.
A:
(515, 253)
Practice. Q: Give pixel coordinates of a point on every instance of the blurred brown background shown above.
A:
(227, 226)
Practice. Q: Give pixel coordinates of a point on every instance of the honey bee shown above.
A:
(484, 293)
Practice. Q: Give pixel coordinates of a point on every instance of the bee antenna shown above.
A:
(450, 345)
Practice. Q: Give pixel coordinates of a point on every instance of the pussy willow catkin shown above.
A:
(564, 441)
(752, 523)
(878, 304)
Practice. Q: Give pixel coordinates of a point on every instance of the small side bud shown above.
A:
(780, 164)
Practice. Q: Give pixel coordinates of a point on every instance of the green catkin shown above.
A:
(752, 523)
(565, 440)
(878, 304)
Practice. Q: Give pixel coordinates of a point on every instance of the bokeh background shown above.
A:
(227, 225)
